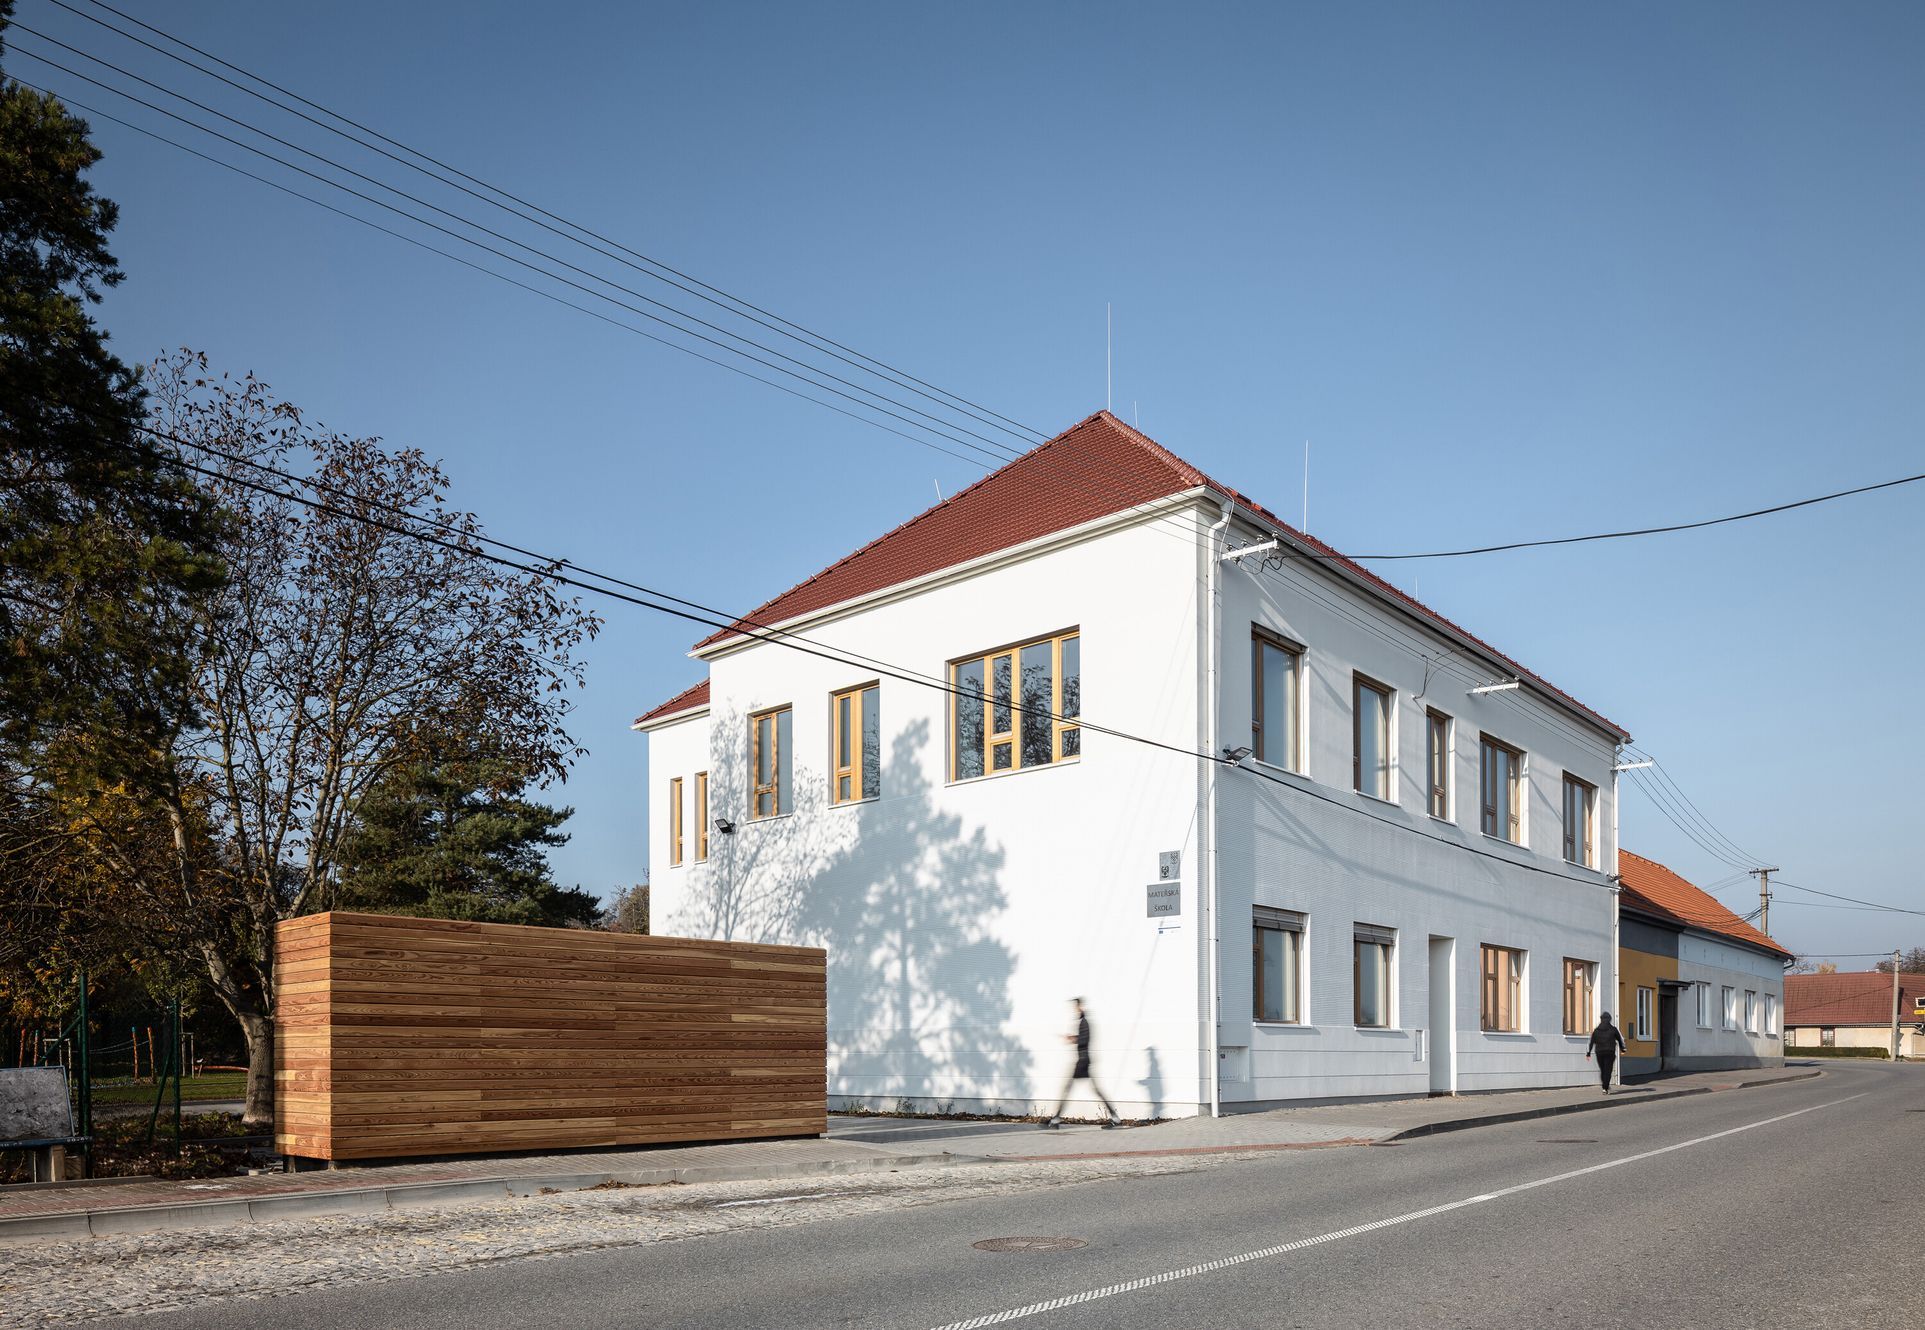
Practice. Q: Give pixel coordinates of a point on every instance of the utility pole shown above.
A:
(1894, 1005)
(1764, 898)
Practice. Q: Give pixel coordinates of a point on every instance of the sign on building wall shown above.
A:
(1165, 898)
(1169, 868)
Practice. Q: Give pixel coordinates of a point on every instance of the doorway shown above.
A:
(1443, 1015)
(1667, 1028)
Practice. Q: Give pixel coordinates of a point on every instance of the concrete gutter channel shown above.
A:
(110, 1221)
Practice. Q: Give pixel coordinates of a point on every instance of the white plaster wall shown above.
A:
(1347, 858)
(960, 917)
(1722, 964)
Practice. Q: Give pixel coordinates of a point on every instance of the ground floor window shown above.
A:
(1828, 1037)
(1771, 1014)
(1276, 960)
(1501, 1006)
(1580, 996)
(1372, 954)
(1730, 1007)
(1704, 1006)
(1751, 1012)
(1643, 1028)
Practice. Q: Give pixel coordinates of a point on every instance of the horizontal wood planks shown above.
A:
(396, 1036)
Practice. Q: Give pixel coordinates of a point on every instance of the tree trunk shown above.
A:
(259, 1030)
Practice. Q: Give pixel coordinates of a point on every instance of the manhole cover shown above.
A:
(1029, 1244)
(1569, 1140)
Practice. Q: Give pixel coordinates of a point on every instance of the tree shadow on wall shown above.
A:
(904, 902)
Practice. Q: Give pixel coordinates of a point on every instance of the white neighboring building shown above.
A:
(1391, 885)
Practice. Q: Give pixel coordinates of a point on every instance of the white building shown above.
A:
(1000, 736)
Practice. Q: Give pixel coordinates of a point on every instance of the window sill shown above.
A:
(1018, 771)
(1507, 1034)
(1279, 770)
(1519, 846)
(1374, 798)
(1393, 1030)
(772, 817)
(857, 803)
(1284, 1025)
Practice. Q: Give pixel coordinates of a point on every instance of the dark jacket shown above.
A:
(1606, 1041)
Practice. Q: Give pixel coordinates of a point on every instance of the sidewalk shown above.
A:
(855, 1144)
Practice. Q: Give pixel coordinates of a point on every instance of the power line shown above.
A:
(635, 259)
(1894, 909)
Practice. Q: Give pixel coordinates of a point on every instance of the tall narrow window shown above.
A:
(773, 793)
(1371, 711)
(1751, 1012)
(1018, 707)
(1704, 1006)
(1500, 1006)
(1276, 966)
(1580, 994)
(675, 821)
(856, 719)
(1642, 1030)
(1502, 789)
(701, 815)
(1580, 821)
(1276, 674)
(1730, 1007)
(1373, 950)
(1771, 1014)
(1437, 762)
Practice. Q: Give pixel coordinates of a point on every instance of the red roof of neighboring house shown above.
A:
(1098, 467)
(686, 700)
(1654, 889)
(1860, 998)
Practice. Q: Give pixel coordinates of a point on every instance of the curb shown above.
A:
(1559, 1110)
(179, 1216)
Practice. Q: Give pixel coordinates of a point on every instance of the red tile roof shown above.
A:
(1859, 998)
(1653, 889)
(1098, 467)
(688, 699)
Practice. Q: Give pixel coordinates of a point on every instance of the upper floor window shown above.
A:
(857, 721)
(1502, 784)
(1580, 994)
(701, 815)
(769, 762)
(1437, 763)
(1017, 707)
(1501, 1004)
(1276, 699)
(1371, 710)
(1580, 821)
(1276, 966)
(674, 821)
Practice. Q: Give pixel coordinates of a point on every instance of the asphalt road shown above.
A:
(1796, 1206)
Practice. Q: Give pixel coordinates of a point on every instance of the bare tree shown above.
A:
(337, 631)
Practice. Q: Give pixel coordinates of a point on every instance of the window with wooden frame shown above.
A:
(1501, 789)
(1580, 996)
(1276, 700)
(1580, 821)
(1017, 707)
(1501, 1003)
(1437, 765)
(1373, 950)
(771, 793)
(1642, 1030)
(1276, 966)
(1370, 732)
(675, 822)
(701, 816)
(855, 721)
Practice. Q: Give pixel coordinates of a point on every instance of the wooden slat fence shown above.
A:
(399, 1037)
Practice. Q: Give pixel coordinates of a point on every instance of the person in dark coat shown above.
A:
(1606, 1041)
(1081, 1072)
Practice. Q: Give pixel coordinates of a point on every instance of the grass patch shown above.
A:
(193, 1089)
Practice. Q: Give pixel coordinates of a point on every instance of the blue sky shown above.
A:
(1514, 270)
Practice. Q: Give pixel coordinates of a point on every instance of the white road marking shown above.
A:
(1284, 1248)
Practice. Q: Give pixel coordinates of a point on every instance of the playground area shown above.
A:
(141, 1093)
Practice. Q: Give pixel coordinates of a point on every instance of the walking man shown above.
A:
(1605, 1042)
(1081, 1072)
